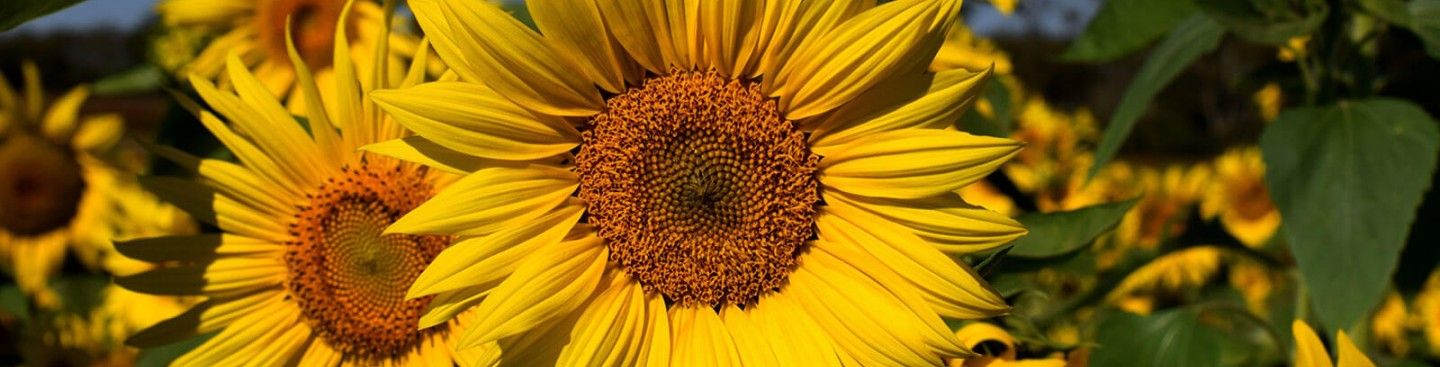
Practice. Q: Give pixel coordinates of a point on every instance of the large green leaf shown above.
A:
(1059, 233)
(1171, 338)
(1347, 179)
(1124, 26)
(1425, 22)
(13, 13)
(1192, 38)
(1267, 21)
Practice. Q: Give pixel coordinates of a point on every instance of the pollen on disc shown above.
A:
(348, 278)
(702, 191)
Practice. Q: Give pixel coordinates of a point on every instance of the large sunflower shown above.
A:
(301, 272)
(255, 30)
(53, 180)
(701, 181)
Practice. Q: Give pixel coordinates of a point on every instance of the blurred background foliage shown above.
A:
(1198, 174)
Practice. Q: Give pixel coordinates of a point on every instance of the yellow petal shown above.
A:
(261, 155)
(195, 248)
(233, 181)
(912, 163)
(656, 346)
(488, 260)
(795, 338)
(1348, 354)
(476, 120)
(610, 331)
(1309, 351)
(953, 290)
(578, 32)
(229, 275)
(60, 120)
(506, 55)
(238, 340)
(949, 95)
(449, 305)
(319, 353)
(204, 205)
(203, 318)
(420, 150)
(894, 38)
(789, 23)
(730, 30)
(321, 127)
(876, 333)
(194, 12)
(99, 133)
(552, 282)
(949, 223)
(270, 125)
(487, 200)
(974, 334)
(699, 338)
(751, 345)
(642, 32)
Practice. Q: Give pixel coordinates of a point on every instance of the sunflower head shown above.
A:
(302, 269)
(312, 23)
(52, 192)
(686, 180)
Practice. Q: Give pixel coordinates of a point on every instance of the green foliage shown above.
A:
(1347, 180)
(13, 13)
(12, 302)
(141, 79)
(1192, 38)
(1060, 233)
(999, 97)
(1267, 21)
(1124, 26)
(1425, 22)
(164, 355)
(1171, 338)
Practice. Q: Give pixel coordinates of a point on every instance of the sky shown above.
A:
(1053, 18)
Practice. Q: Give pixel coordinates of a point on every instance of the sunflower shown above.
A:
(1310, 352)
(255, 30)
(702, 182)
(1240, 199)
(301, 272)
(1427, 312)
(1181, 270)
(53, 190)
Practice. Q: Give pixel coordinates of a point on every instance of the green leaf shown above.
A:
(1059, 233)
(1170, 338)
(1394, 11)
(13, 302)
(141, 79)
(1347, 179)
(1267, 21)
(13, 13)
(1425, 22)
(163, 355)
(1124, 26)
(1192, 38)
(999, 97)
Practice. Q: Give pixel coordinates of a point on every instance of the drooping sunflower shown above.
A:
(255, 30)
(977, 334)
(300, 273)
(1240, 199)
(703, 182)
(53, 180)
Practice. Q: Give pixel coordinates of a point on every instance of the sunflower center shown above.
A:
(350, 279)
(312, 23)
(40, 185)
(702, 191)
